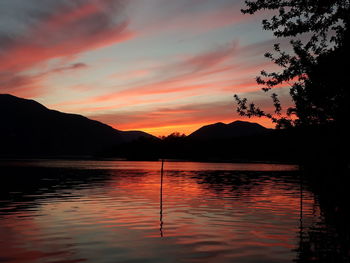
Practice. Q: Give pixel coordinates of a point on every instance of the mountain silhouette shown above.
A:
(225, 131)
(29, 128)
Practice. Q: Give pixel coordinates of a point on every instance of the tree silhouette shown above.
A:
(173, 136)
(316, 71)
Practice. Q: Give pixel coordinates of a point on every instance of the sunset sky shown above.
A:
(154, 65)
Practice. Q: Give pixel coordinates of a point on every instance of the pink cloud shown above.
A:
(176, 77)
(182, 77)
(32, 85)
(66, 32)
(26, 86)
(24, 56)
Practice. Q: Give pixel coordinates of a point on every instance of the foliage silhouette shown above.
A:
(173, 136)
(319, 34)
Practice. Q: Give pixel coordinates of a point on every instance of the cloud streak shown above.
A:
(31, 85)
(185, 118)
(175, 77)
(62, 29)
(214, 71)
(179, 65)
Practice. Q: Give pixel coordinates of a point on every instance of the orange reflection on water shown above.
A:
(204, 212)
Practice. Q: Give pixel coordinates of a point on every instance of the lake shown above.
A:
(116, 211)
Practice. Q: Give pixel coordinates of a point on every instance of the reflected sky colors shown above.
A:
(113, 215)
(153, 65)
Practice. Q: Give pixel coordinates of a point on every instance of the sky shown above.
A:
(159, 66)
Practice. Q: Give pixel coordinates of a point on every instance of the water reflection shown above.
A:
(117, 213)
(326, 240)
(161, 199)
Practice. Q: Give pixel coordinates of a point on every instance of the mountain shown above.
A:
(224, 131)
(29, 128)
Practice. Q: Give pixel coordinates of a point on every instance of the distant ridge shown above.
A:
(29, 128)
(224, 131)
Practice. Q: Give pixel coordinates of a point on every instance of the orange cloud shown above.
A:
(183, 118)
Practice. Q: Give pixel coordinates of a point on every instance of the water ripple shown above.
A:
(91, 211)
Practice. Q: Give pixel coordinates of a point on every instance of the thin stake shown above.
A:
(161, 198)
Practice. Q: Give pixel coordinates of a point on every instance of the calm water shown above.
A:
(111, 211)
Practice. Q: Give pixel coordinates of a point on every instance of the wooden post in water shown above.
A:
(161, 199)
